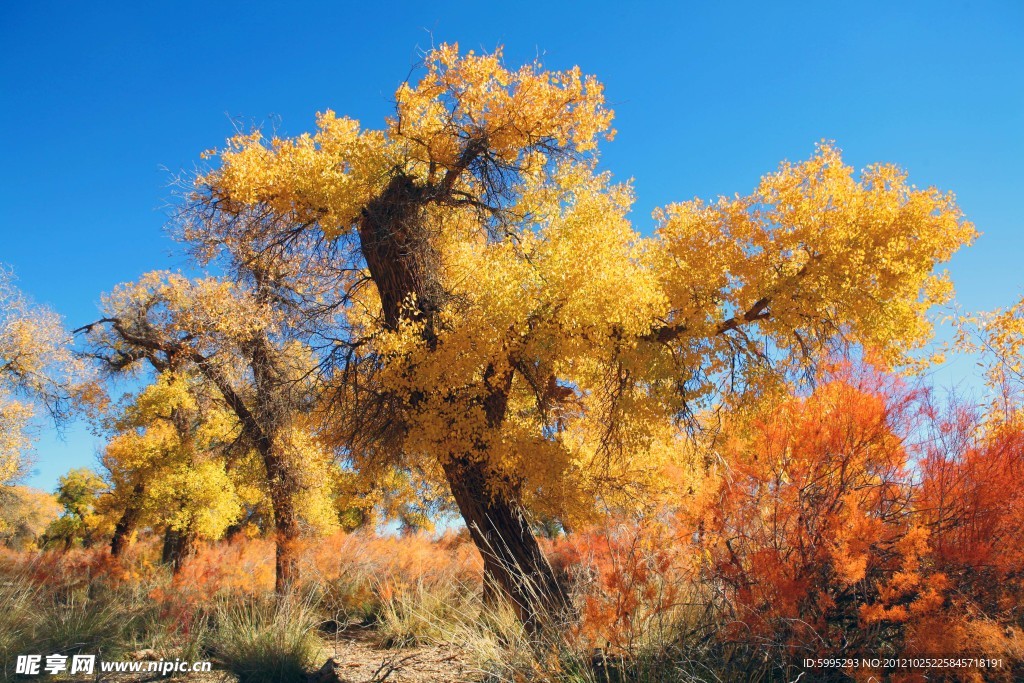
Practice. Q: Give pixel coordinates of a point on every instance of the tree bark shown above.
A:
(125, 526)
(513, 559)
(272, 410)
(286, 525)
(261, 422)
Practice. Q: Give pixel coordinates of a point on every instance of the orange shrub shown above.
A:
(973, 500)
(861, 520)
(356, 572)
(629, 581)
(240, 566)
(813, 516)
(350, 570)
(351, 574)
(80, 568)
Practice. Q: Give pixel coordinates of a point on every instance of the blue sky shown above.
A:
(103, 102)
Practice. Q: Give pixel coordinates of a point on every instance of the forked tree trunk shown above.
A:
(125, 526)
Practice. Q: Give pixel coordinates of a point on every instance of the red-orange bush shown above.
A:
(861, 520)
(971, 498)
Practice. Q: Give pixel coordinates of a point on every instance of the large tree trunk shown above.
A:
(286, 526)
(272, 408)
(179, 545)
(125, 526)
(513, 560)
(402, 260)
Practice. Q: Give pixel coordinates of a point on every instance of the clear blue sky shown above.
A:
(101, 100)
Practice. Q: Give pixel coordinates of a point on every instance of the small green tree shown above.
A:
(79, 524)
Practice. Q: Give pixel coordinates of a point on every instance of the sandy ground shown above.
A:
(358, 660)
(355, 658)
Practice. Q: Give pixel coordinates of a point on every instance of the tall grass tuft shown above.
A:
(18, 619)
(263, 640)
(86, 625)
(423, 613)
(42, 619)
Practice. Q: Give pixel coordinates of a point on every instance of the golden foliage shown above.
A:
(36, 364)
(25, 514)
(166, 459)
(596, 336)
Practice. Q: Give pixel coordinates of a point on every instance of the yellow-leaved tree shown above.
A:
(25, 513)
(230, 334)
(37, 368)
(998, 338)
(170, 462)
(505, 328)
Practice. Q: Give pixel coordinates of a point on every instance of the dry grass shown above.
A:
(405, 609)
(415, 601)
(262, 640)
